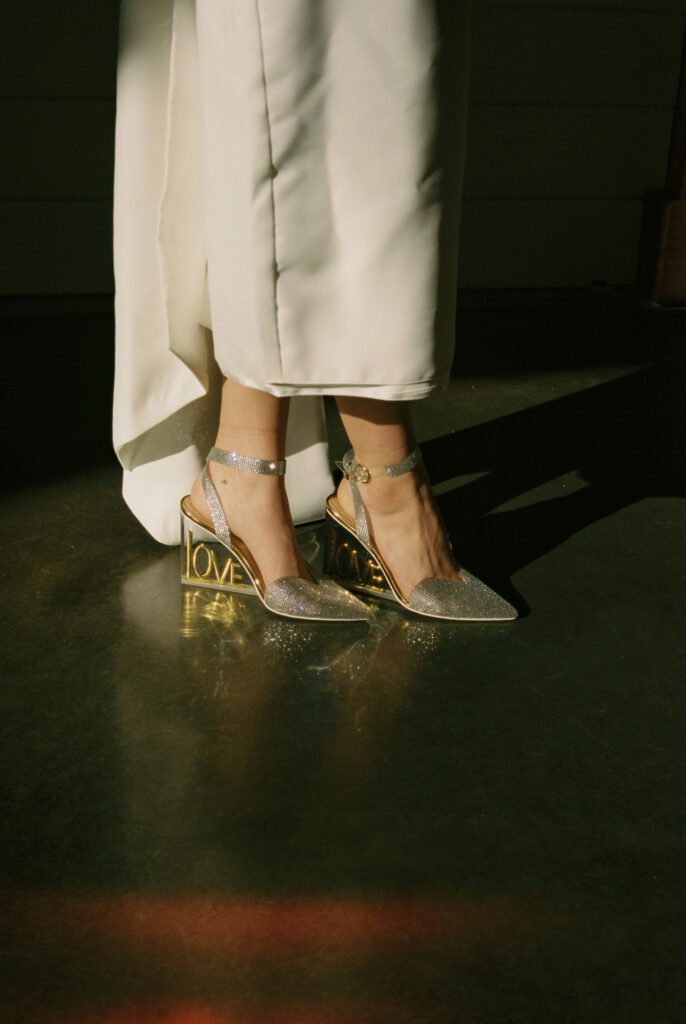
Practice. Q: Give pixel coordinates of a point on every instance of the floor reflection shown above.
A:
(226, 624)
(249, 738)
(214, 816)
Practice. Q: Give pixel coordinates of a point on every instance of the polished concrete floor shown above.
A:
(213, 816)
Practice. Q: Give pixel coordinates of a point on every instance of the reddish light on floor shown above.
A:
(273, 928)
(196, 1014)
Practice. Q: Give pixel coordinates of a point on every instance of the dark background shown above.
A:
(571, 109)
(210, 816)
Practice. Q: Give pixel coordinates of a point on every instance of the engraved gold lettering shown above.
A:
(365, 573)
(203, 564)
(220, 577)
(372, 575)
(376, 575)
(189, 542)
(237, 577)
(198, 550)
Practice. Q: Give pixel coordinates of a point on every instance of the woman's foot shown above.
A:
(405, 526)
(257, 512)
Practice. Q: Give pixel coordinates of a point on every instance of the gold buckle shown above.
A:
(357, 472)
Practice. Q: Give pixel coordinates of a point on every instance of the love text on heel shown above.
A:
(210, 565)
(347, 561)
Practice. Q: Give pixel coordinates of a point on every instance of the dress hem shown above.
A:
(382, 392)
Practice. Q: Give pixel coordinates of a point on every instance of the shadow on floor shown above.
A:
(624, 440)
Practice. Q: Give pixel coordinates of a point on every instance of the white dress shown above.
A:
(287, 187)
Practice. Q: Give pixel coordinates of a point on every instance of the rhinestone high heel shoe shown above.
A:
(214, 557)
(352, 559)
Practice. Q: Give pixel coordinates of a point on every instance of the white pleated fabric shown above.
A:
(287, 188)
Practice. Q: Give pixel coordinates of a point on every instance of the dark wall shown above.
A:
(57, 87)
(571, 108)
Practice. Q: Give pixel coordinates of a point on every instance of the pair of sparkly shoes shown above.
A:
(214, 557)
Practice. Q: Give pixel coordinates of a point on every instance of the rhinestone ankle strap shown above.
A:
(266, 467)
(355, 473)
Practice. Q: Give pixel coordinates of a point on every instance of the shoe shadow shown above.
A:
(625, 440)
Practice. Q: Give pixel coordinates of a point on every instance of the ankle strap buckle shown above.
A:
(354, 470)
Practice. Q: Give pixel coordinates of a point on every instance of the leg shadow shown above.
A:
(626, 439)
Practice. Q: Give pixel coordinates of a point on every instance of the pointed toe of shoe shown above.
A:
(468, 599)
(305, 599)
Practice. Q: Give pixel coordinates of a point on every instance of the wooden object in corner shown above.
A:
(669, 282)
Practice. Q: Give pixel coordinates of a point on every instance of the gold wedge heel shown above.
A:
(352, 560)
(205, 561)
(211, 556)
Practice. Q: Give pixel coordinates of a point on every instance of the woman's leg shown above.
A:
(405, 523)
(253, 423)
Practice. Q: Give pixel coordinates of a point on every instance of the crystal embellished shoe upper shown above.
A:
(213, 557)
(352, 559)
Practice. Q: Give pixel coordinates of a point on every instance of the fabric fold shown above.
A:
(167, 382)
